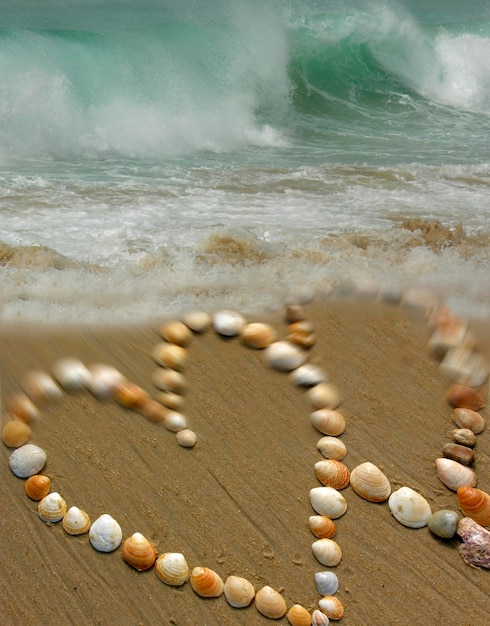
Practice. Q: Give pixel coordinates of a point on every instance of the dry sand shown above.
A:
(239, 501)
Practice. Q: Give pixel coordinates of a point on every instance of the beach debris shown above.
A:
(332, 448)
(40, 387)
(463, 396)
(37, 486)
(324, 396)
(327, 552)
(257, 335)
(76, 521)
(15, 433)
(139, 552)
(332, 607)
(298, 616)
(170, 355)
(105, 534)
(186, 438)
(239, 592)
(469, 419)
(318, 618)
(206, 582)
(270, 603)
(475, 503)
(326, 583)
(328, 421)
(27, 460)
(454, 475)
(284, 356)
(464, 436)
(328, 501)
(459, 453)
(71, 374)
(172, 568)
(443, 523)
(198, 321)
(228, 323)
(409, 508)
(308, 375)
(369, 482)
(475, 549)
(52, 507)
(332, 473)
(176, 332)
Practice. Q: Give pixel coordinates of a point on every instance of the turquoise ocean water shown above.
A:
(162, 155)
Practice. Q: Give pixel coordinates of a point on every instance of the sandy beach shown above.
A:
(239, 501)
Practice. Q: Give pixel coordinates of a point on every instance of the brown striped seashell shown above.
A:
(328, 501)
(206, 582)
(22, 407)
(322, 526)
(170, 355)
(464, 436)
(328, 421)
(186, 438)
(462, 396)
(324, 396)
(129, 394)
(475, 503)
(327, 552)
(169, 380)
(369, 482)
(172, 568)
(257, 335)
(332, 448)
(40, 387)
(298, 616)
(177, 333)
(454, 475)
(197, 321)
(16, 433)
(52, 507)
(456, 452)
(270, 603)
(318, 618)
(332, 473)
(103, 379)
(172, 401)
(76, 521)
(139, 552)
(332, 607)
(153, 411)
(37, 487)
(467, 418)
(239, 592)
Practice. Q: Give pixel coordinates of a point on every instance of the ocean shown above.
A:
(162, 156)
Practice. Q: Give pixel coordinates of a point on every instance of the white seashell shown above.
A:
(175, 421)
(324, 396)
(169, 380)
(308, 375)
(76, 521)
(328, 422)
(284, 356)
(328, 501)
(332, 607)
(228, 323)
(105, 534)
(467, 418)
(27, 460)
(326, 583)
(327, 552)
(40, 387)
(270, 603)
(239, 592)
(409, 508)
(71, 374)
(52, 507)
(198, 321)
(186, 438)
(465, 366)
(369, 482)
(172, 568)
(454, 475)
(332, 448)
(318, 618)
(103, 380)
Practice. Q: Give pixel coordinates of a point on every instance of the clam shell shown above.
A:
(172, 568)
(76, 521)
(475, 503)
(464, 436)
(450, 332)
(324, 396)
(294, 313)
(169, 380)
(284, 356)
(105, 534)
(328, 422)
(22, 407)
(71, 374)
(228, 323)
(170, 355)
(129, 394)
(16, 433)
(327, 552)
(206, 582)
(270, 603)
(332, 448)
(409, 508)
(139, 552)
(465, 366)
(175, 421)
(305, 340)
(467, 418)
(176, 332)
(332, 607)
(454, 475)
(103, 380)
(257, 335)
(443, 523)
(37, 486)
(369, 482)
(326, 583)
(456, 452)
(27, 460)
(172, 401)
(322, 526)
(328, 501)
(40, 387)
(332, 473)
(153, 411)
(462, 396)
(475, 549)
(239, 592)
(52, 507)
(318, 618)
(308, 375)
(298, 616)
(198, 321)
(186, 438)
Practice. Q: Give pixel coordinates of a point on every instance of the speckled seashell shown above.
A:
(462, 396)
(332, 473)
(71, 374)
(37, 487)
(172, 568)
(175, 421)
(475, 503)
(409, 508)
(369, 482)
(206, 582)
(129, 394)
(298, 616)
(76, 521)
(270, 603)
(169, 380)
(22, 407)
(456, 452)
(40, 387)
(308, 375)
(16, 433)
(332, 448)
(27, 460)
(328, 501)
(176, 332)
(239, 592)
(172, 401)
(170, 355)
(475, 549)
(198, 321)
(257, 335)
(454, 475)
(52, 507)
(324, 396)
(153, 411)
(103, 380)
(318, 618)
(332, 607)
(105, 534)
(186, 438)
(443, 523)
(139, 552)
(322, 526)
(467, 418)
(327, 552)
(326, 583)
(284, 356)
(464, 436)
(328, 421)
(465, 366)
(228, 323)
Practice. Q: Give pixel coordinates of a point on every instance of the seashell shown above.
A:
(475, 549)
(369, 482)
(239, 592)
(332, 473)
(450, 332)
(443, 523)
(27, 460)
(298, 616)
(139, 552)
(461, 454)
(172, 401)
(16, 433)
(465, 366)
(206, 582)
(169, 380)
(318, 618)
(76, 521)
(22, 407)
(52, 507)
(454, 475)
(305, 340)
(322, 526)
(40, 387)
(409, 508)
(170, 355)
(71, 374)
(177, 333)
(228, 323)
(270, 603)
(257, 335)
(328, 421)
(475, 503)
(324, 396)
(308, 375)
(294, 313)
(103, 380)
(129, 394)
(332, 448)
(175, 421)
(462, 396)
(198, 321)
(284, 356)
(467, 418)
(332, 607)
(327, 552)
(464, 436)
(172, 568)
(153, 410)
(326, 583)
(105, 534)
(186, 438)
(37, 486)
(328, 501)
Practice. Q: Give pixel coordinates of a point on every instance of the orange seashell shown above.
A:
(467, 418)
(332, 607)
(153, 411)
(139, 552)
(322, 526)
(40, 387)
(22, 408)
(270, 603)
(170, 355)
(176, 333)
(239, 592)
(463, 396)
(129, 394)
(37, 486)
(298, 616)
(206, 582)
(16, 433)
(475, 503)
(332, 473)
(257, 335)
(169, 380)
